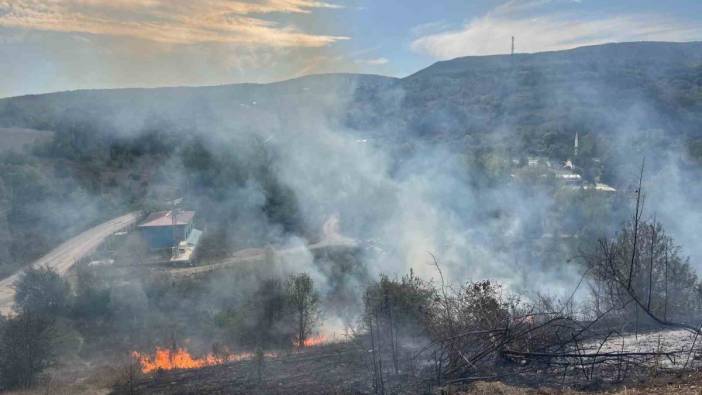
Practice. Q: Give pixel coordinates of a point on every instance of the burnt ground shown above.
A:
(322, 372)
(688, 383)
(335, 368)
(345, 368)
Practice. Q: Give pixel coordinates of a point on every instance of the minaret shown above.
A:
(575, 146)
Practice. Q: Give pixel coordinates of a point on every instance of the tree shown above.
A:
(394, 310)
(405, 304)
(26, 342)
(481, 305)
(43, 292)
(304, 303)
(657, 279)
(634, 269)
(279, 314)
(270, 304)
(262, 321)
(25, 349)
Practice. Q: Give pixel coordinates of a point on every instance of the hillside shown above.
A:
(590, 89)
(116, 150)
(542, 97)
(486, 218)
(18, 139)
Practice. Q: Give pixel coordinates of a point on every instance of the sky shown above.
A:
(56, 45)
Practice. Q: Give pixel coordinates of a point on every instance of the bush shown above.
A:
(405, 304)
(25, 350)
(42, 292)
(411, 323)
(92, 298)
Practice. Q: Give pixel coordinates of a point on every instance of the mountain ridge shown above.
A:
(543, 97)
(679, 48)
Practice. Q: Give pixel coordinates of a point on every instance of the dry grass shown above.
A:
(498, 388)
(690, 384)
(79, 379)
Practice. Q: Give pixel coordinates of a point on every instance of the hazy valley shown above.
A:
(495, 218)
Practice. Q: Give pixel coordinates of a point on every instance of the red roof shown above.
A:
(165, 218)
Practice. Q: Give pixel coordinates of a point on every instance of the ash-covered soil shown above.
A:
(345, 368)
(681, 346)
(334, 368)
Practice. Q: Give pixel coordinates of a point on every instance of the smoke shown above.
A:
(670, 189)
(266, 166)
(412, 208)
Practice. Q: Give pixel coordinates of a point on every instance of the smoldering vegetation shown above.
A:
(415, 336)
(430, 214)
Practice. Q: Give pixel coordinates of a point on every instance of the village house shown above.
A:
(171, 230)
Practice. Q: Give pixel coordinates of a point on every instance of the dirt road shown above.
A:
(67, 254)
(253, 255)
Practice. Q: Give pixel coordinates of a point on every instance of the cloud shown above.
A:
(491, 34)
(170, 21)
(428, 28)
(373, 62)
(520, 6)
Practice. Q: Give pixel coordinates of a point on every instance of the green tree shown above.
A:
(25, 350)
(262, 321)
(303, 300)
(43, 292)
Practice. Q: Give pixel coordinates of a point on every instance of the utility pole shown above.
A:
(174, 225)
(512, 45)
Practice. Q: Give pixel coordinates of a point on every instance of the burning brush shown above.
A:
(180, 358)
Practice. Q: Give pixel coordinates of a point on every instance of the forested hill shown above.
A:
(547, 96)
(128, 148)
(541, 99)
(136, 108)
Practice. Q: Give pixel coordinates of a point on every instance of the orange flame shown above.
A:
(315, 341)
(167, 359)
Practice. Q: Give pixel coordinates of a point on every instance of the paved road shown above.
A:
(67, 254)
